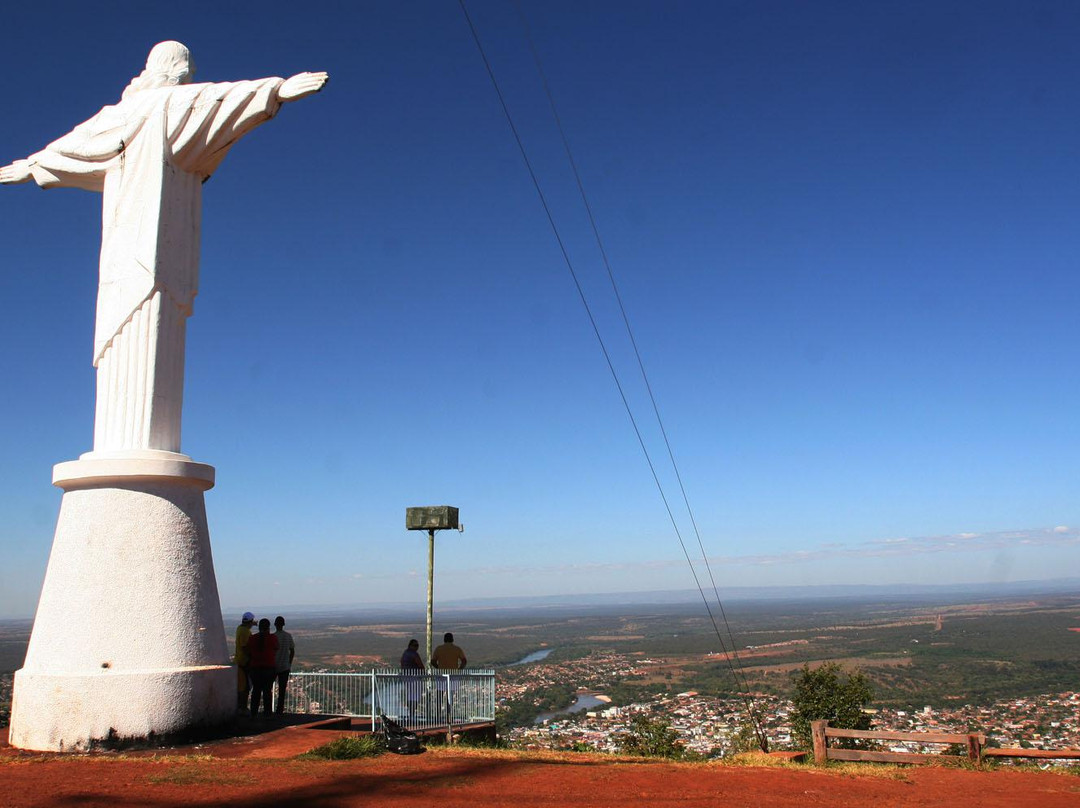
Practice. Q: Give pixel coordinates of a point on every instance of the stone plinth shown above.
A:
(128, 642)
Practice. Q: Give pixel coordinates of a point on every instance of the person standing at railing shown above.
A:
(286, 650)
(410, 660)
(413, 666)
(448, 657)
(240, 657)
(262, 648)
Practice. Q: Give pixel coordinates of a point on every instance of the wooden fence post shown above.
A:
(817, 731)
(975, 747)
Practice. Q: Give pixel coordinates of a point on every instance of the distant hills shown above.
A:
(869, 592)
(794, 593)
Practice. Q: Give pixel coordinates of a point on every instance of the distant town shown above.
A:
(716, 727)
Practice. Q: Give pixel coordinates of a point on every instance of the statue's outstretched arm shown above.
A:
(52, 170)
(17, 172)
(302, 85)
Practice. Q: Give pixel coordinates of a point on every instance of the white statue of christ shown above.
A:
(149, 155)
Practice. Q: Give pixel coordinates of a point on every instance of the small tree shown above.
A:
(745, 739)
(651, 738)
(828, 693)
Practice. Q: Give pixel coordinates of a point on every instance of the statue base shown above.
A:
(128, 642)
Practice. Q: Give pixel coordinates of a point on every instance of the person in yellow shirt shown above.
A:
(242, 658)
(448, 657)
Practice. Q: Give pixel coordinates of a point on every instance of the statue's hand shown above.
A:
(301, 85)
(17, 172)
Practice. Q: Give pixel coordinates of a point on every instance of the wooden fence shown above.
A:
(973, 743)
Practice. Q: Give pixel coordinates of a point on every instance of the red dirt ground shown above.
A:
(262, 771)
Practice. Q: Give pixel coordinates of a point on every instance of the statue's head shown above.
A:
(168, 64)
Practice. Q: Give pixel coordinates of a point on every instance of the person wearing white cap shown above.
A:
(242, 658)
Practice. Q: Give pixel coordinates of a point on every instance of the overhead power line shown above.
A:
(735, 671)
(732, 658)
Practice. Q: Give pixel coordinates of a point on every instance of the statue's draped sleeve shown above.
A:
(81, 158)
(202, 132)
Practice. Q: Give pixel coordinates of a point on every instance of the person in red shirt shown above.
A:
(262, 650)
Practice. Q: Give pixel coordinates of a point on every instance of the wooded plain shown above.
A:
(915, 651)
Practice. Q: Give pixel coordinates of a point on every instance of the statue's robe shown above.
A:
(149, 155)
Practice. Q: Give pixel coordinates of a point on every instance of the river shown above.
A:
(535, 656)
(584, 701)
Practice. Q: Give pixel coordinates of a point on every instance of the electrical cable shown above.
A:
(607, 358)
(736, 667)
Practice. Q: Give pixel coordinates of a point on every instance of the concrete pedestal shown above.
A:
(128, 642)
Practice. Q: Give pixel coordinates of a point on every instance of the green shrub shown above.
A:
(347, 748)
(648, 737)
(745, 739)
(471, 740)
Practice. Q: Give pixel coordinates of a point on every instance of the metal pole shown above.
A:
(430, 588)
(449, 714)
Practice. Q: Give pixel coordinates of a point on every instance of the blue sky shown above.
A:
(845, 233)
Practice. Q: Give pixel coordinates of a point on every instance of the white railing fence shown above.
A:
(417, 700)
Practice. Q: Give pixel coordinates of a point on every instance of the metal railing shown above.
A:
(414, 699)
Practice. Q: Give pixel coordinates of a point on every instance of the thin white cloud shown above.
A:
(921, 545)
(890, 547)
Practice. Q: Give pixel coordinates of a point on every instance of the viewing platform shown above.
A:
(426, 703)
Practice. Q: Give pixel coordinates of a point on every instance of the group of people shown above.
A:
(447, 657)
(261, 659)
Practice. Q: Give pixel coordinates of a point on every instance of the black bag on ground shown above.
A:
(399, 740)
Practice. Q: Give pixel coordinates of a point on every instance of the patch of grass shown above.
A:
(840, 768)
(471, 741)
(21, 760)
(758, 758)
(346, 748)
(166, 758)
(106, 757)
(200, 774)
(1070, 769)
(844, 768)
